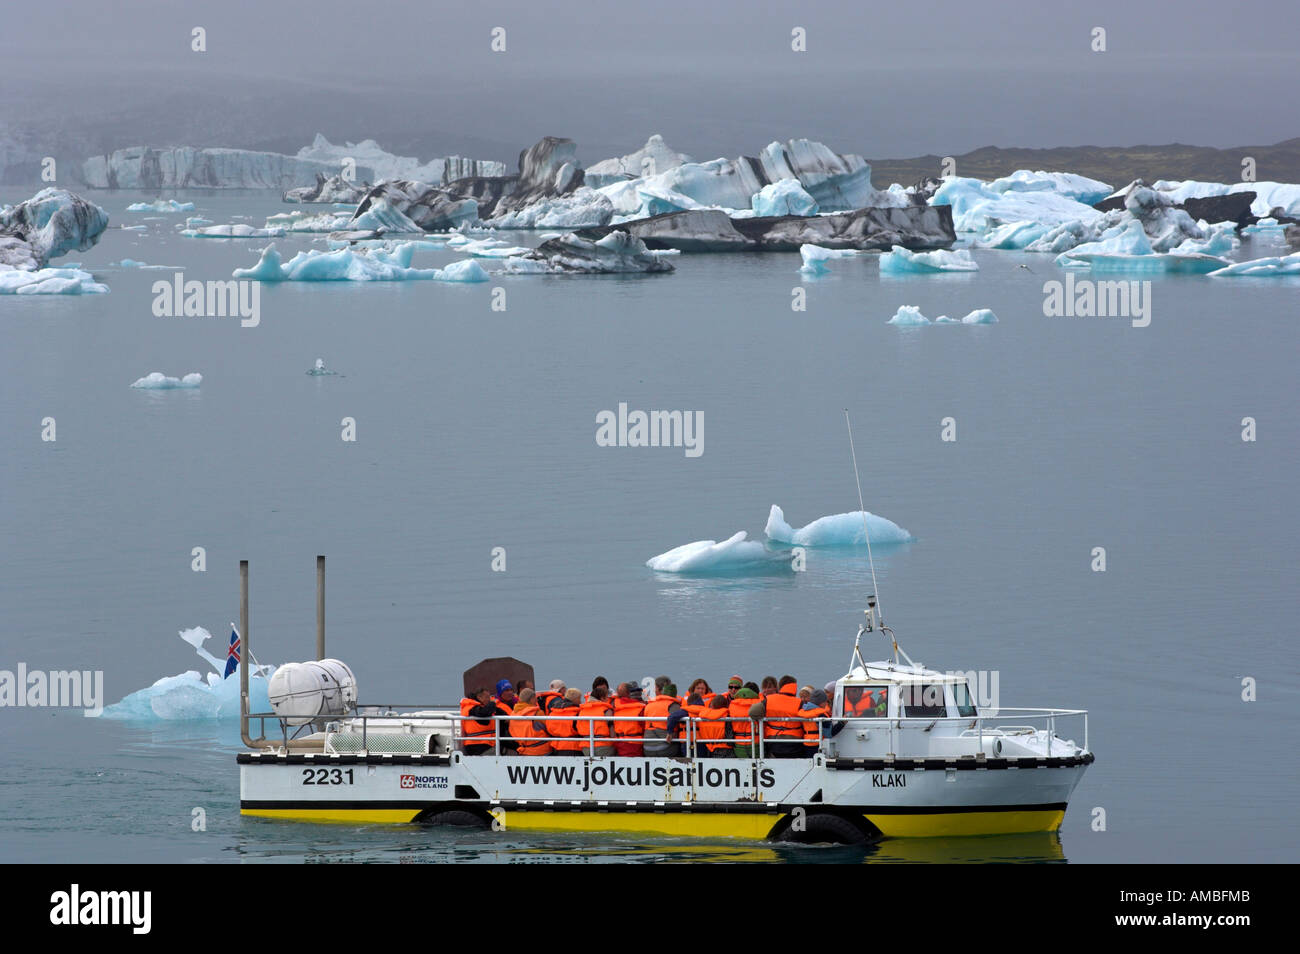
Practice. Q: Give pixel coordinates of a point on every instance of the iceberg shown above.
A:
(197, 221)
(980, 316)
(653, 158)
(1068, 184)
(157, 381)
(318, 370)
(48, 281)
(709, 556)
(548, 169)
(909, 315)
(238, 230)
(429, 207)
(841, 529)
(832, 181)
(356, 265)
(467, 270)
(786, 197)
(976, 207)
(309, 221)
(900, 261)
(191, 697)
(616, 252)
(1275, 267)
(380, 216)
(1268, 195)
(712, 230)
(383, 164)
(49, 224)
(185, 167)
(815, 258)
(583, 208)
(161, 205)
(335, 189)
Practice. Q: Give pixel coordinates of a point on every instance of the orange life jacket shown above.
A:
(599, 727)
(712, 729)
(473, 730)
(657, 711)
(739, 709)
(625, 728)
(546, 699)
(561, 727)
(812, 731)
(694, 713)
(532, 740)
(783, 720)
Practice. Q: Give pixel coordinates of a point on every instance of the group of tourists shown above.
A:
(791, 720)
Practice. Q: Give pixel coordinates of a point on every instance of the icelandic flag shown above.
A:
(232, 654)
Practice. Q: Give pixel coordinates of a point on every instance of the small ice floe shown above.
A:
(736, 553)
(197, 222)
(157, 381)
(900, 261)
(815, 258)
(132, 263)
(356, 265)
(840, 529)
(1276, 267)
(237, 230)
(909, 315)
(161, 205)
(49, 281)
(319, 370)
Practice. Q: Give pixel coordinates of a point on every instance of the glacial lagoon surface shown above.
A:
(476, 429)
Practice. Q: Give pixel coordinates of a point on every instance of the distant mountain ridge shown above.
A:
(1119, 165)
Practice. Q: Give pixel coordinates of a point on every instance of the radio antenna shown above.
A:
(875, 591)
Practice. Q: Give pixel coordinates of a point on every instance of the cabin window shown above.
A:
(961, 695)
(923, 701)
(866, 702)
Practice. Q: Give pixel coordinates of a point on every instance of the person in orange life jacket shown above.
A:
(817, 707)
(783, 732)
(561, 726)
(700, 687)
(714, 736)
(733, 685)
(505, 700)
(627, 733)
(769, 686)
(547, 697)
(743, 731)
(598, 681)
(478, 713)
(662, 731)
(694, 706)
(594, 724)
(660, 682)
(523, 684)
(530, 734)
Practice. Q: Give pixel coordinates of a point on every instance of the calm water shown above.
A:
(476, 430)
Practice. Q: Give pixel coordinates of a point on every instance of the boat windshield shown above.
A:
(923, 701)
(965, 704)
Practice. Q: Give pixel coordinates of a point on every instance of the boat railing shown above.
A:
(376, 718)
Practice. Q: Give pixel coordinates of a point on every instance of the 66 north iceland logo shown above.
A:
(424, 781)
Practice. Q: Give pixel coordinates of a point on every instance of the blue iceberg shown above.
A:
(836, 530)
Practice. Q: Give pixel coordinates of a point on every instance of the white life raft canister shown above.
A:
(302, 692)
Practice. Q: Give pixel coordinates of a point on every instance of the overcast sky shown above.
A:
(883, 80)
